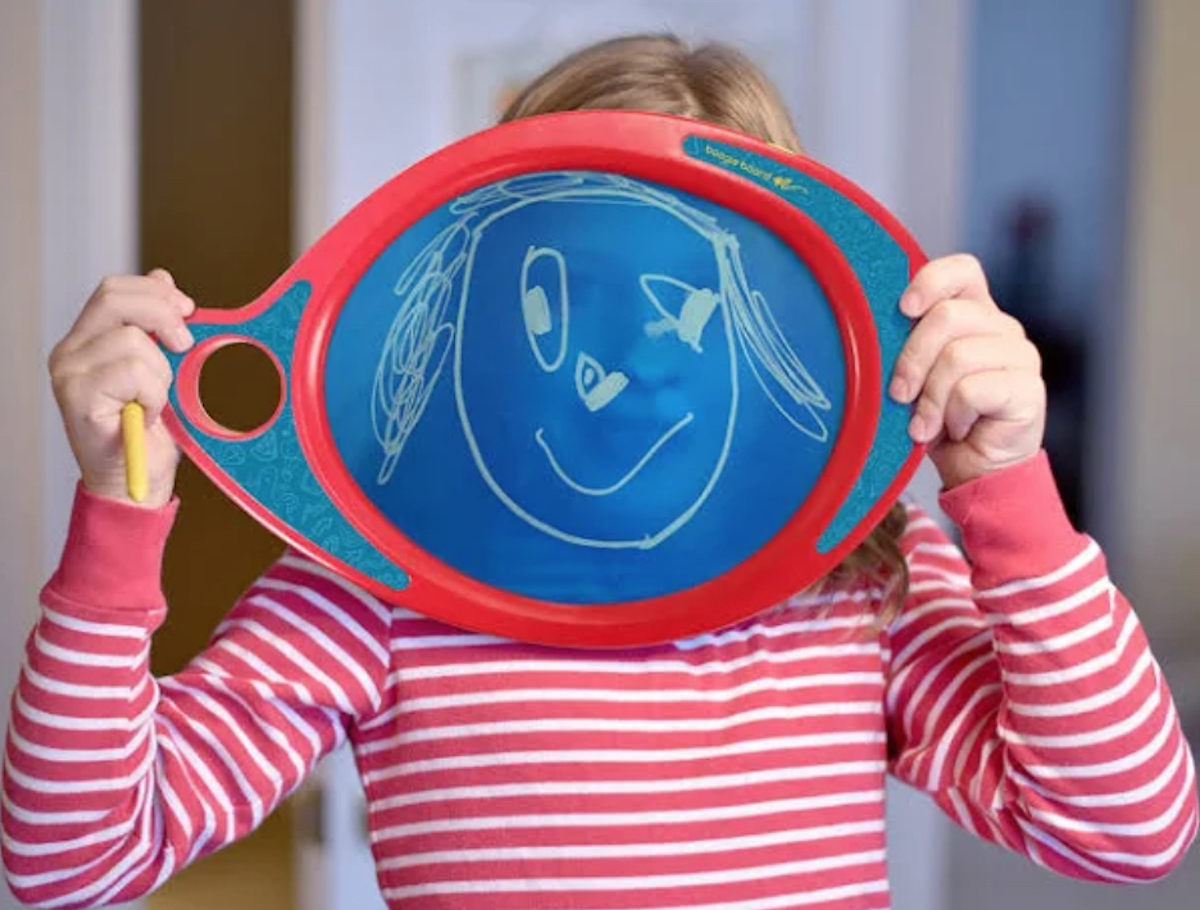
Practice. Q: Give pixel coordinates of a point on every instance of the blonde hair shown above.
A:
(718, 84)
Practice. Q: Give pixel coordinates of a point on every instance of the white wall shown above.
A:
(395, 71)
(67, 214)
(1051, 80)
(89, 192)
(1050, 101)
(67, 208)
(1155, 425)
(875, 84)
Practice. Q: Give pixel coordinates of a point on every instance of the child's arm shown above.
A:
(1022, 693)
(114, 780)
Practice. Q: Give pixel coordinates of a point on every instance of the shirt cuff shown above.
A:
(113, 556)
(1013, 523)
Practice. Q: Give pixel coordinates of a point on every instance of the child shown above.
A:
(743, 768)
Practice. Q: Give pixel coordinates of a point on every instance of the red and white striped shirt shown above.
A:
(743, 769)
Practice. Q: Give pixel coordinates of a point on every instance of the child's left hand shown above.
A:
(976, 378)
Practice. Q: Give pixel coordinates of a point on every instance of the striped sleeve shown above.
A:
(114, 780)
(1022, 693)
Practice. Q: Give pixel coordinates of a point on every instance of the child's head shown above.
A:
(660, 73)
(718, 84)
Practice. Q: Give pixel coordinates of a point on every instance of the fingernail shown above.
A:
(186, 304)
(185, 337)
(908, 303)
(917, 428)
(899, 390)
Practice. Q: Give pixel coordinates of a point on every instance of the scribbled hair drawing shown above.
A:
(421, 336)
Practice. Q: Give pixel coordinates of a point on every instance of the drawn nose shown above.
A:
(596, 386)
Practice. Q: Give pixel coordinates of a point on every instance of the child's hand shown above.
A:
(976, 378)
(107, 360)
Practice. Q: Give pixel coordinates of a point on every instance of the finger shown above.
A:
(945, 279)
(152, 307)
(155, 281)
(162, 275)
(185, 302)
(963, 357)
(135, 380)
(1002, 396)
(101, 394)
(946, 322)
(180, 297)
(123, 343)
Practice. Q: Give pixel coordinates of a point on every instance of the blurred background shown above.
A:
(218, 138)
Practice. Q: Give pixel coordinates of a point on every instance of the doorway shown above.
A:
(215, 174)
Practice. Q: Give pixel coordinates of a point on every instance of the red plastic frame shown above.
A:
(187, 382)
(646, 146)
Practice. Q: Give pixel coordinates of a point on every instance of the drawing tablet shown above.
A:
(597, 379)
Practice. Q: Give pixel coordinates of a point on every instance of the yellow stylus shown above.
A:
(133, 433)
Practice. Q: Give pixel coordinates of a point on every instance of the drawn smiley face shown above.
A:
(596, 379)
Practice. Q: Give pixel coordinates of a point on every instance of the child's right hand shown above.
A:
(107, 360)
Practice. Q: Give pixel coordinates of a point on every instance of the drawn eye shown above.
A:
(596, 386)
(545, 306)
(686, 310)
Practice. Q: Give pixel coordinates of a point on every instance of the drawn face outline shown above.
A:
(596, 386)
(612, 194)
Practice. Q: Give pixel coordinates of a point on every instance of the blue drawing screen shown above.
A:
(585, 388)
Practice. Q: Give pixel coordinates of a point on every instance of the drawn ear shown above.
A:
(781, 374)
(443, 256)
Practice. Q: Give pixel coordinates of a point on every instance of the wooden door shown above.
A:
(215, 210)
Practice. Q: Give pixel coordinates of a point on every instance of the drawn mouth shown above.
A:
(540, 436)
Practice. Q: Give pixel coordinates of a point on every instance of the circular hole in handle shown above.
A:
(231, 387)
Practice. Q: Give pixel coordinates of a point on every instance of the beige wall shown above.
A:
(20, 337)
(1161, 450)
(20, 298)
